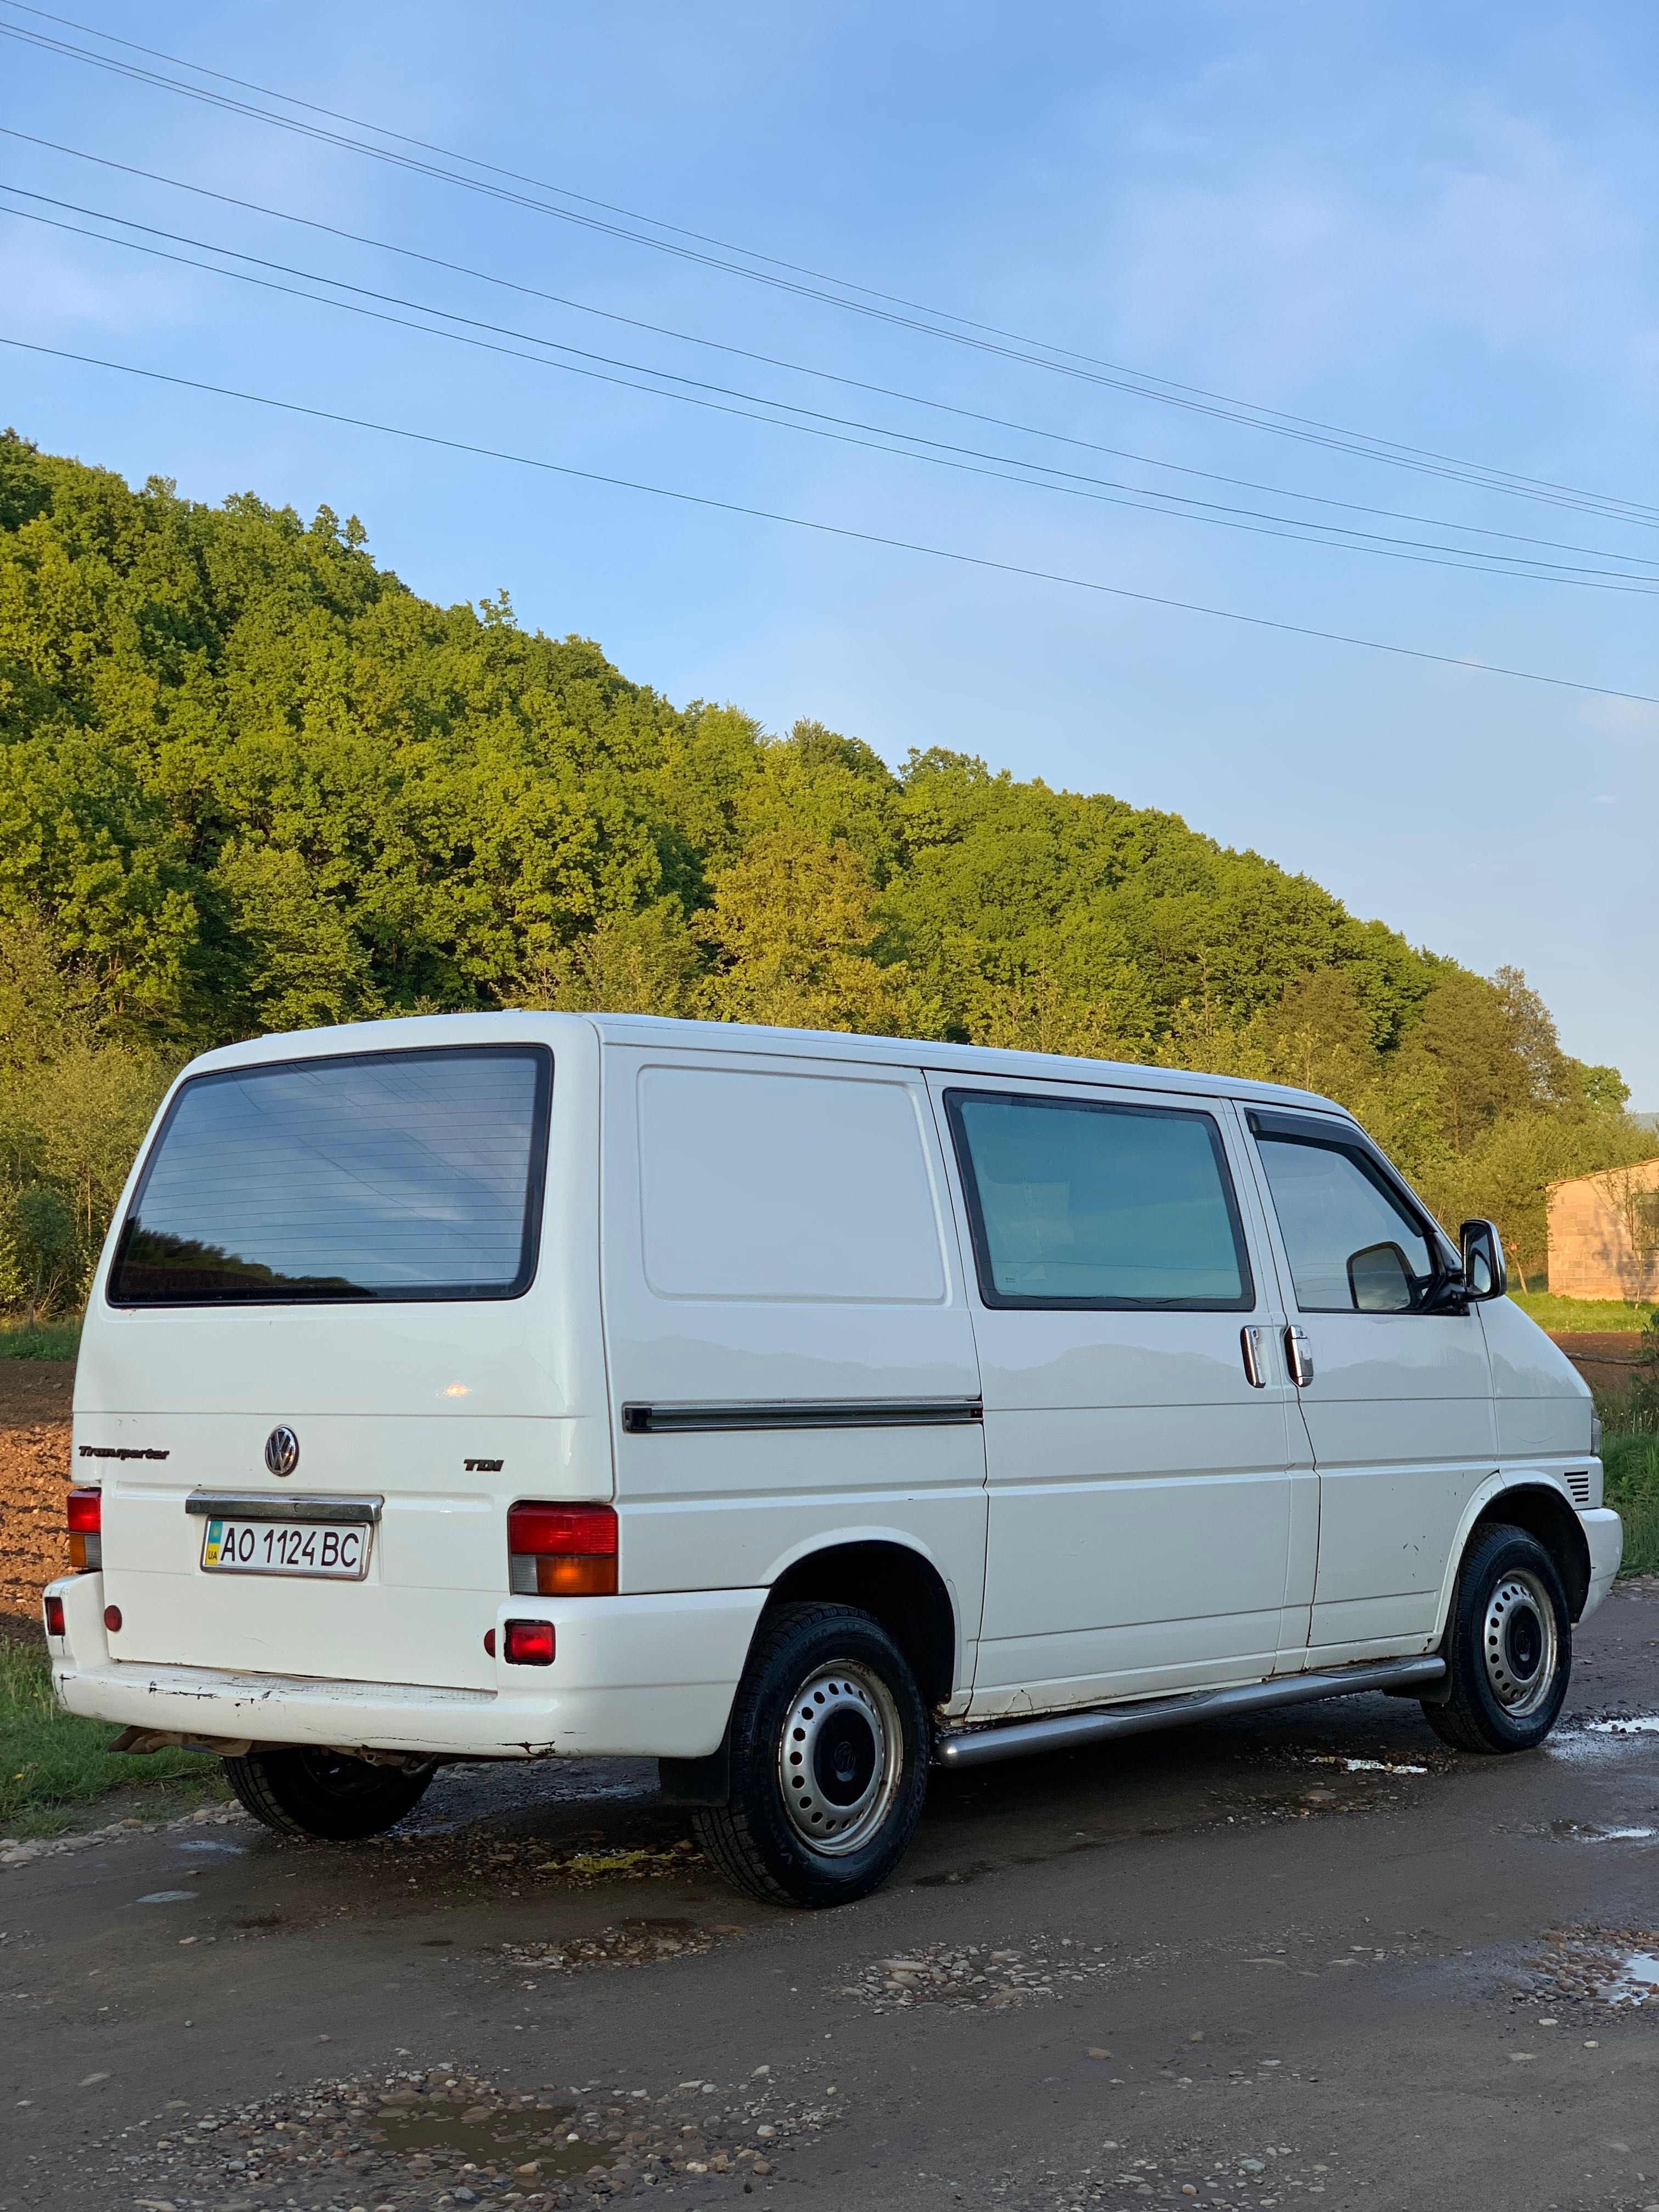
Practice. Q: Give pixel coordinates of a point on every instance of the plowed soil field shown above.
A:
(34, 1472)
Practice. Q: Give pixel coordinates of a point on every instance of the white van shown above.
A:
(798, 1409)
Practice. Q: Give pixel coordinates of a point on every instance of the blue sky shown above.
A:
(1431, 225)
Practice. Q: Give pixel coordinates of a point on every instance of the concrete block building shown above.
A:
(1604, 1234)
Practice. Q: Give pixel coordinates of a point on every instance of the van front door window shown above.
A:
(1352, 1245)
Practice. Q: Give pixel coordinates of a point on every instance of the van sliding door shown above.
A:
(1137, 1424)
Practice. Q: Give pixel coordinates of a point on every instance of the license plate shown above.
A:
(287, 1547)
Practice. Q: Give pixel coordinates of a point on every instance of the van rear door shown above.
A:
(336, 1336)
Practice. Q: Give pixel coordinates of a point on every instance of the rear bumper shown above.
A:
(1604, 1532)
(648, 1677)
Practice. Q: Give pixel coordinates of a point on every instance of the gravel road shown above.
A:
(1312, 1956)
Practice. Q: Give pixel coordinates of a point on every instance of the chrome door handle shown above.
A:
(1298, 1357)
(1253, 1343)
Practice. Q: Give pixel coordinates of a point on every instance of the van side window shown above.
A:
(786, 1187)
(1078, 1203)
(1353, 1245)
(364, 1175)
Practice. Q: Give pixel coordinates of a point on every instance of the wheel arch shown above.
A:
(1549, 1514)
(897, 1585)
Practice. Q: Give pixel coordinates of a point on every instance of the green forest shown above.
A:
(250, 781)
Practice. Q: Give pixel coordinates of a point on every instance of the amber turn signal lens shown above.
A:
(586, 1576)
(55, 1616)
(80, 1554)
(529, 1644)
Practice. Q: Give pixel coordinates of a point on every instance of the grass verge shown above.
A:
(1631, 1468)
(1591, 1314)
(51, 1762)
(47, 1340)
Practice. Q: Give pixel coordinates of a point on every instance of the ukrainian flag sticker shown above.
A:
(215, 1536)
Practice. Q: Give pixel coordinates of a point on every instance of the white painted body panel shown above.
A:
(779, 1231)
(1543, 1403)
(735, 1216)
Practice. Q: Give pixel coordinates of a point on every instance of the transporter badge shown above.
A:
(282, 1451)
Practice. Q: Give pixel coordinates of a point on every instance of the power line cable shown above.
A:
(794, 368)
(837, 530)
(1058, 361)
(841, 430)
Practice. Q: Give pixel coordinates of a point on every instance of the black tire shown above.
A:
(1508, 1648)
(324, 1794)
(830, 1743)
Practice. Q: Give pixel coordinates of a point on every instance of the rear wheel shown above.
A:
(1509, 1648)
(326, 1795)
(829, 1743)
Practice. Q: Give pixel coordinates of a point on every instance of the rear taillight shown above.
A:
(561, 1551)
(55, 1616)
(528, 1643)
(86, 1509)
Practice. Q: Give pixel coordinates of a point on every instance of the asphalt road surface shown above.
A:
(1313, 1955)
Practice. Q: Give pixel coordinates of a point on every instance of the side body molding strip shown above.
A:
(1065, 1731)
(802, 1413)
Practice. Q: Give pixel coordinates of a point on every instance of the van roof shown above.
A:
(406, 1031)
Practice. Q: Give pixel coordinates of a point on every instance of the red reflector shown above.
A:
(529, 1644)
(86, 1509)
(490, 1642)
(112, 1617)
(584, 1531)
(55, 1616)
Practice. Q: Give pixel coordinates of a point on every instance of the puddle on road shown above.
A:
(488, 2136)
(1636, 1981)
(1581, 1831)
(1643, 1724)
(1365, 1765)
(1610, 1966)
(438, 2133)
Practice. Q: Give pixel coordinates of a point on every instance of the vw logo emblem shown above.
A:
(282, 1451)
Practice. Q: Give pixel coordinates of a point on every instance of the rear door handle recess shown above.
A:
(1298, 1357)
(1253, 1343)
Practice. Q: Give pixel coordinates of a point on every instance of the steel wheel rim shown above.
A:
(841, 1758)
(1519, 1643)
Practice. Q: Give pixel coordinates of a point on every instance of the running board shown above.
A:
(1067, 1731)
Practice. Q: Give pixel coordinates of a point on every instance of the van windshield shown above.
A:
(376, 1176)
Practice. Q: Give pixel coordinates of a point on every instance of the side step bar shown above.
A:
(1067, 1731)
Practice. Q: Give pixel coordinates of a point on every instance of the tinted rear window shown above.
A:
(384, 1175)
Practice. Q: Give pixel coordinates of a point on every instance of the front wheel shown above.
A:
(1508, 1648)
(829, 1743)
(325, 1794)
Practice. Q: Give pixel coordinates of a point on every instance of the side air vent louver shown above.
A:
(1578, 1482)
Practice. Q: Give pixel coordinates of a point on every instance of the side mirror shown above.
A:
(1485, 1275)
(1379, 1280)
